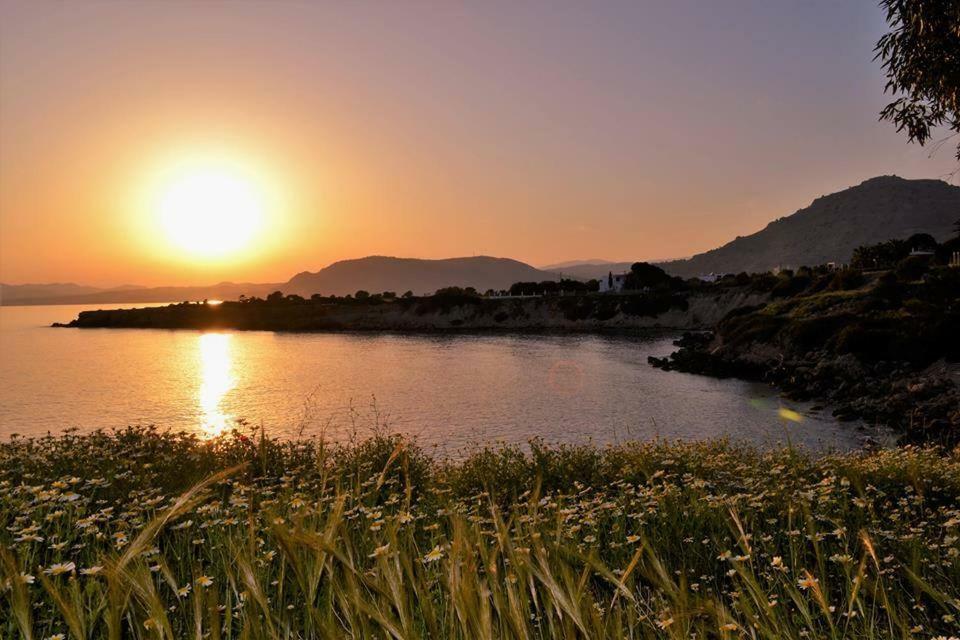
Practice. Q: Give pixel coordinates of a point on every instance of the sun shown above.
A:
(210, 211)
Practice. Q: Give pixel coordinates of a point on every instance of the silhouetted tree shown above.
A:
(922, 241)
(547, 287)
(921, 58)
(408, 294)
(361, 294)
(644, 275)
(275, 297)
(456, 291)
(884, 255)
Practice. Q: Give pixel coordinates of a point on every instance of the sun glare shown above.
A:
(210, 211)
(217, 379)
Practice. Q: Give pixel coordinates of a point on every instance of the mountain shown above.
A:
(591, 270)
(77, 294)
(576, 263)
(15, 293)
(834, 225)
(374, 274)
(381, 273)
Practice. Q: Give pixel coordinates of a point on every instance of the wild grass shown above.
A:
(146, 534)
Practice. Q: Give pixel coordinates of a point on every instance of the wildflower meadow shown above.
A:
(141, 533)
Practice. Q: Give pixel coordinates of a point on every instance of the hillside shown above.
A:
(381, 273)
(16, 293)
(834, 225)
(590, 270)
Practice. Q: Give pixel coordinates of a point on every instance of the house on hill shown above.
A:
(613, 282)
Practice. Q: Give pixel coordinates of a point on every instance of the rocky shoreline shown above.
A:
(886, 354)
(923, 405)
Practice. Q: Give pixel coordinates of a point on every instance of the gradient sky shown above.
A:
(542, 131)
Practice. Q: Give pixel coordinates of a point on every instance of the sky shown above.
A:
(540, 131)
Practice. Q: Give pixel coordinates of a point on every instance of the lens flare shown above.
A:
(790, 414)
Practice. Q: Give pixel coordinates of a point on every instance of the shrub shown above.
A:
(846, 280)
(912, 268)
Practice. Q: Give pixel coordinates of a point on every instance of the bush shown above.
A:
(789, 286)
(912, 268)
(846, 280)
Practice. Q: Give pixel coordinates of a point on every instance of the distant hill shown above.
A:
(576, 263)
(77, 294)
(374, 274)
(380, 273)
(590, 270)
(834, 225)
(14, 293)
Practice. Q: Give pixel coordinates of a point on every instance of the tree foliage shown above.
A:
(921, 58)
(884, 255)
(551, 287)
(644, 275)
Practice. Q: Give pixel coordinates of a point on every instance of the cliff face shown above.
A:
(834, 225)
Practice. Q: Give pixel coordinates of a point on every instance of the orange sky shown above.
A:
(544, 133)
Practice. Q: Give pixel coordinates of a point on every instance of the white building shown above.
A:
(612, 282)
(712, 277)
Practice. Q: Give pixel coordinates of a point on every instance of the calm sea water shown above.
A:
(450, 391)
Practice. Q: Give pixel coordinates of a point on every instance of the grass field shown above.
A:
(146, 534)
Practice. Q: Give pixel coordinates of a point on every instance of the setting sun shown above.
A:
(210, 211)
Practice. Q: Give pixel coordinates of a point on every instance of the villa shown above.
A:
(613, 282)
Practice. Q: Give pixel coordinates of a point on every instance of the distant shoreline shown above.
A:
(593, 313)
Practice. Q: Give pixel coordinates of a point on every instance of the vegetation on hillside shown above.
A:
(875, 347)
(146, 534)
(892, 253)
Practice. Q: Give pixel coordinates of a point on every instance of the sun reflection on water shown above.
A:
(216, 379)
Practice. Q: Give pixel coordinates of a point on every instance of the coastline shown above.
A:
(574, 314)
(880, 351)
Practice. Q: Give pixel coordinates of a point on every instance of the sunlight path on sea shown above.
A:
(216, 380)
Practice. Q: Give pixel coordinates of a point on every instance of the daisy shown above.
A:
(435, 554)
(60, 568)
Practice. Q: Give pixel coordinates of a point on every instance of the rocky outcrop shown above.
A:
(886, 353)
